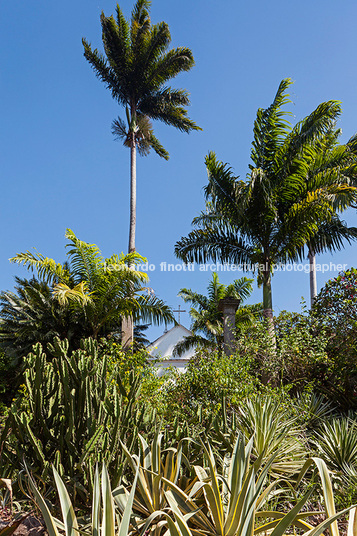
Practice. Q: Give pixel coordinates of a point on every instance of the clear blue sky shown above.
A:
(60, 166)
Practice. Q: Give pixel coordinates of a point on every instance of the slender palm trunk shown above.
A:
(132, 228)
(127, 325)
(313, 283)
(268, 310)
(268, 300)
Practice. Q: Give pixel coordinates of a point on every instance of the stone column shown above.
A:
(228, 306)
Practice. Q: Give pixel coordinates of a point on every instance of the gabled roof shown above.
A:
(164, 345)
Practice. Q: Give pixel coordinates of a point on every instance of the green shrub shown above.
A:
(335, 311)
(210, 377)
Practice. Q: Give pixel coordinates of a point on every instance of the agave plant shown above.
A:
(336, 442)
(158, 469)
(104, 520)
(329, 502)
(229, 504)
(313, 408)
(273, 429)
(233, 501)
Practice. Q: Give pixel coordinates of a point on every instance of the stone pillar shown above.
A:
(228, 306)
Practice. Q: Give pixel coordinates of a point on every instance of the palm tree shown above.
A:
(332, 164)
(101, 291)
(136, 68)
(269, 218)
(208, 320)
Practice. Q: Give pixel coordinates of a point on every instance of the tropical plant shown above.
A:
(30, 315)
(100, 291)
(268, 219)
(104, 519)
(313, 409)
(332, 164)
(302, 356)
(75, 408)
(154, 467)
(336, 442)
(228, 503)
(270, 420)
(103, 513)
(208, 319)
(210, 377)
(329, 501)
(335, 312)
(235, 502)
(136, 67)
(275, 430)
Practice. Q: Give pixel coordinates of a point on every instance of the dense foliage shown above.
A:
(335, 312)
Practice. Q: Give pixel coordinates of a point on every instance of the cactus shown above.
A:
(75, 412)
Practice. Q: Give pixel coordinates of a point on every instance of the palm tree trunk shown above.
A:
(268, 300)
(313, 283)
(132, 228)
(127, 325)
(268, 372)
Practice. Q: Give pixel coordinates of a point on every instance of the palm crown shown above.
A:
(136, 68)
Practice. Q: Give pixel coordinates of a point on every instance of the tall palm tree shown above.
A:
(269, 218)
(101, 291)
(207, 319)
(136, 68)
(332, 164)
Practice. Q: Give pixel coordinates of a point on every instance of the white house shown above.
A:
(164, 345)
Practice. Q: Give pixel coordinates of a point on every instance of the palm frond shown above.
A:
(104, 72)
(65, 295)
(84, 259)
(241, 288)
(46, 268)
(192, 341)
(270, 128)
(219, 245)
(197, 300)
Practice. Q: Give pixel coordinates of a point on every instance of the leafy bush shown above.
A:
(302, 357)
(335, 311)
(210, 377)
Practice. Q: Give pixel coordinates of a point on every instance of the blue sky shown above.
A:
(60, 166)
